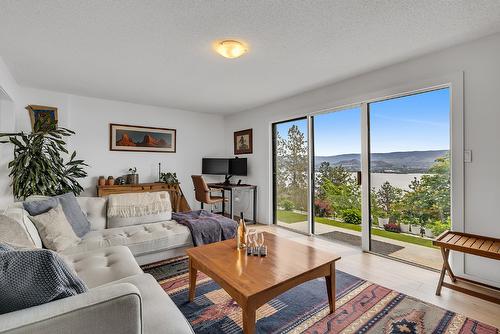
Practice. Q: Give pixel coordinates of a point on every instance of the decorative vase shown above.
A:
(132, 178)
(101, 181)
(111, 181)
(404, 228)
(382, 222)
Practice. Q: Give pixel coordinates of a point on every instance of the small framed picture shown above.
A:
(141, 138)
(49, 114)
(243, 142)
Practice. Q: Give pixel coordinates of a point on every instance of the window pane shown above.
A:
(410, 175)
(290, 174)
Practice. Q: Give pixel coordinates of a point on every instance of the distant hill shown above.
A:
(395, 162)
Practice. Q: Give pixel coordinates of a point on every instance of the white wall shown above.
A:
(9, 91)
(198, 135)
(480, 62)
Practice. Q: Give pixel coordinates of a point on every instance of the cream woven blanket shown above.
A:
(138, 204)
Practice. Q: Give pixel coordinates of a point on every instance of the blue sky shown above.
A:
(412, 123)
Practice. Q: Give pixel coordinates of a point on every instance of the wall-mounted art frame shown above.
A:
(37, 112)
(243, 142)
(134, 138)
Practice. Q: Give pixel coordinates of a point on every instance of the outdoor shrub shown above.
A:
(322, 208)
(392, 227)
(287, 205)
(439, 227)
(351, 216)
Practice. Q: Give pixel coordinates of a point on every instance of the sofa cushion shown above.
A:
(21, 216)
(103, 265)
(54, 229)
(95, 210)
(14, 234)
(115, 221)
(71, 209)
(160, 314)
(141, 239)
(34, 277)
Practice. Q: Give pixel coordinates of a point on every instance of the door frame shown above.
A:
(455, 82)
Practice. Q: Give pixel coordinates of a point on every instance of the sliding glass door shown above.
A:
(410, 198)
(337, 172)
(400, 145)
(290, 174)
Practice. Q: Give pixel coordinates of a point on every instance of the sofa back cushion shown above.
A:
(95, 210)
(34, 277)
(70, 206)
(21, 216)
(14, 234)
(54, 229)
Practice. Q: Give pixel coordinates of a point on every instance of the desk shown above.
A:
(231, 187)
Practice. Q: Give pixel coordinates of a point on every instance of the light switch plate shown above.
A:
(467, 156)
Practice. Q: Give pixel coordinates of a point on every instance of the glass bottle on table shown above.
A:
(241, 233)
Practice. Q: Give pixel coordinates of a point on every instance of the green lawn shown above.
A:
(294, 217)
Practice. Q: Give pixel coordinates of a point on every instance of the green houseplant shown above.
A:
(39, 167)
(169, 178)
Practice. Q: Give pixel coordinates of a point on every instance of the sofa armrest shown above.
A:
(113, 308)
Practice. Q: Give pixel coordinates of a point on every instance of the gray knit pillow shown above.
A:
(34, 277)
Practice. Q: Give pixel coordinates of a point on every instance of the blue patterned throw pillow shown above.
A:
(34, 277)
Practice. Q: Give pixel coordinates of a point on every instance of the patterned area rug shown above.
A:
(362, 307)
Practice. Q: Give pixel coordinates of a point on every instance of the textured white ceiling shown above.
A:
(159, 52)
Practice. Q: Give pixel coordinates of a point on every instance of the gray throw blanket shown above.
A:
(33, 277)
(206, 227)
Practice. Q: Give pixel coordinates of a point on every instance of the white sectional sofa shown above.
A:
(121, 298)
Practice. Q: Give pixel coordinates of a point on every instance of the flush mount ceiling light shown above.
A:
(230, 48)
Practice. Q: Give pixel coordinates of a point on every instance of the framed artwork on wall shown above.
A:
(37, 112)
(243, 142)
(141, 138)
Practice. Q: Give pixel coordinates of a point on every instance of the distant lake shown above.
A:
(397, 180)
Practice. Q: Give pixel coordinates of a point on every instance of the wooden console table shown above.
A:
(470, 244)
(179, 202)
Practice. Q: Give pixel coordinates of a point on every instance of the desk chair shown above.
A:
(203, 193)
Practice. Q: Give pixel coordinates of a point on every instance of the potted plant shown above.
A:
(169, 178)
(384, 220)
(132, 176)
(40, 165)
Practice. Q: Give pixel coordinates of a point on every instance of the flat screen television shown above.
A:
(215, 166)
(224, 166)
(238, 166)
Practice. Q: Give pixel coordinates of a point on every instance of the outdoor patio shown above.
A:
(427, 256)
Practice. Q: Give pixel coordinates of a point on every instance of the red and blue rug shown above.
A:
(362, 307)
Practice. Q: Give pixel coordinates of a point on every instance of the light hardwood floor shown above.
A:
(411, 280)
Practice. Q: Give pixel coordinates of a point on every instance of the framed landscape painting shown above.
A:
(141, 138)
(243, 142)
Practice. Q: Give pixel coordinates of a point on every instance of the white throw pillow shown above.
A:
(54, 229)
(14, 234)
(21, 216)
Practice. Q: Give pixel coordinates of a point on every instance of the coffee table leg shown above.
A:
(248, 320)
(330, 287)
(192, 280)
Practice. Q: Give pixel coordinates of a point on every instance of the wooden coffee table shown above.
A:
(253, 281)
